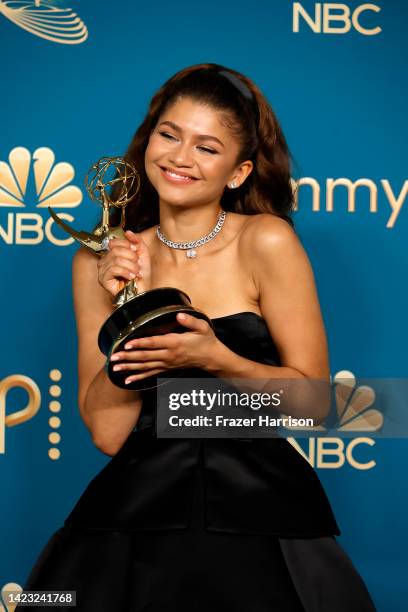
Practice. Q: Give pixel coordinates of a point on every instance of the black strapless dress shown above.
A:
(220, 525)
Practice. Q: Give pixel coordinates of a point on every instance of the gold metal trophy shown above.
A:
(136, 315)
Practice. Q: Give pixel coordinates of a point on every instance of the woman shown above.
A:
(203, 524)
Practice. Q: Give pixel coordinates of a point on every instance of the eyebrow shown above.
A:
(177, 128)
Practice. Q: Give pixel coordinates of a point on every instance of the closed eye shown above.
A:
(170, 137)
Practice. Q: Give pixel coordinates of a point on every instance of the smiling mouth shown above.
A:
(175, 177)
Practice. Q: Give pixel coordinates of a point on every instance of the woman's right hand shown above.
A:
(127, 258)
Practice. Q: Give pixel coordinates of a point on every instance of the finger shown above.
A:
(145, 263)
(127, 264)
(125, 252)
(139, 244)
(137, 365)
(123, 243)
(118, 271)
(118, 260)
(192, 322)
(121, 267)
(143, 375)
(153, 342)
(134, 238)
(138, 240)
(139, 355)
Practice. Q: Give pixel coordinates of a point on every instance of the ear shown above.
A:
(241, 173)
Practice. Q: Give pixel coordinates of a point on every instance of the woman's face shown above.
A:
(191, 156)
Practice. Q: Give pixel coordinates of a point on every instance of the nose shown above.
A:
(181, 155)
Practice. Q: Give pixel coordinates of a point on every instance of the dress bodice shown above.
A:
(245, 333)
(252, 485)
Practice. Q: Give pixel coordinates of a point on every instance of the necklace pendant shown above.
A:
(191, 253)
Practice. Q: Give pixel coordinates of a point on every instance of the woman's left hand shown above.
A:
(150, 355)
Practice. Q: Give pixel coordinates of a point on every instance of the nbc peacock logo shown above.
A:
(35, 178)
(9, 595)
(354, 413)
(46, 20)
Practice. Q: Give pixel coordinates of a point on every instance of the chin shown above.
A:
(180, 202)
(172, 195)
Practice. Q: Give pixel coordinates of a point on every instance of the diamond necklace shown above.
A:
(190, 246)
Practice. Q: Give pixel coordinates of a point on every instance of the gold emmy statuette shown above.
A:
(113, 181)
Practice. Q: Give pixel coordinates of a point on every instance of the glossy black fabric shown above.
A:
(198, 525)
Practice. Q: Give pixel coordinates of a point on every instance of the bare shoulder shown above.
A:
(265, 229)
(288, 298)
(84, 265)
(266, 237)
(83, 257)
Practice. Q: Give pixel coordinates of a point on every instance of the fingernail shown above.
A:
(133, 247)
(132, 275)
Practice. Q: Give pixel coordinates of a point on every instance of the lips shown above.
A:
(176, 177)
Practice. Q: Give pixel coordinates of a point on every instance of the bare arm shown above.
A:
(109, 412)
(290, 306)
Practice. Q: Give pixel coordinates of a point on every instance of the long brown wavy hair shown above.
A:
(268, 188)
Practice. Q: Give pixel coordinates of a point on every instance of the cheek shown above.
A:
(149, 151)
(217, 170)
(150, 165)
(152, 155)
(154, 149)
